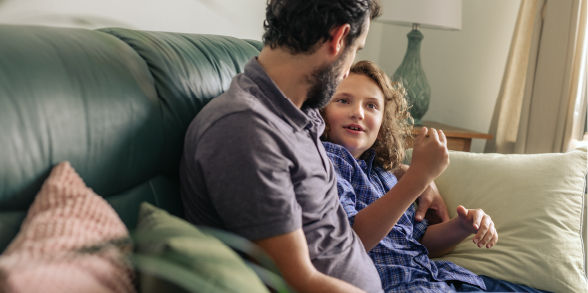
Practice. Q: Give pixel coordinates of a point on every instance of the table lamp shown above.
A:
(437, 14)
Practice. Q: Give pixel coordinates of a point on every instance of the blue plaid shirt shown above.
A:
(402, 261)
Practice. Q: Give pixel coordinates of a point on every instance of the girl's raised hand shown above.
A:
(478, 222)
(430, 156)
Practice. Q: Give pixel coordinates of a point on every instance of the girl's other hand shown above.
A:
(478, 222)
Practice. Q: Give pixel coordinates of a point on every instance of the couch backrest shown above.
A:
(113, 102)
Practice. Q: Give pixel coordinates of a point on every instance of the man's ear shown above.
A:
(338, 35)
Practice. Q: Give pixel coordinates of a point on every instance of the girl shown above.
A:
(367, 121)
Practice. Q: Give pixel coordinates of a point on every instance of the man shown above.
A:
(253, 163)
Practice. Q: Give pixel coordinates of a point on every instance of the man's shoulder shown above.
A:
(228, 104)
(242, 95)
(236, 105)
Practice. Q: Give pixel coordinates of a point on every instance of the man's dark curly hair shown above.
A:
(301, 25)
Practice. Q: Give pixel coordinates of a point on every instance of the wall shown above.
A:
(464, 68)
(192, 16)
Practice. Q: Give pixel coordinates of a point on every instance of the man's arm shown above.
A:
(290, 253)
(431, 204)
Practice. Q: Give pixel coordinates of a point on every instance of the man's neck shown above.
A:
(291, 73)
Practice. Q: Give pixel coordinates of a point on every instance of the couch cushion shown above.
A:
(536, 202)
(160, 191)
(188, 70)
(76, 95)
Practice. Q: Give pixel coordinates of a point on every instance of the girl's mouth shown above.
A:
(354, 128)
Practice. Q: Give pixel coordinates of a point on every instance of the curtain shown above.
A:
(540, 107)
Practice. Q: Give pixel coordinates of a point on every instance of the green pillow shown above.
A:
(175, 256)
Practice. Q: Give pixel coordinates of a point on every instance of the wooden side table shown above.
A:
(458, 139)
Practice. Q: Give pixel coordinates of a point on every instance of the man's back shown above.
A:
(253, 164)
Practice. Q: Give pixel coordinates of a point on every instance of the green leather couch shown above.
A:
(113, 102)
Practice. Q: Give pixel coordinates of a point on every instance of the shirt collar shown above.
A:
(367, 164)
(297, 118)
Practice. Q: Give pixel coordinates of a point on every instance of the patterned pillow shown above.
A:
(65, 217)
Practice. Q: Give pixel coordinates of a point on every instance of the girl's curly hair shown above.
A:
(396, 127)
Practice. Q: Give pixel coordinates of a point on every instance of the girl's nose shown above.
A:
(357, 112)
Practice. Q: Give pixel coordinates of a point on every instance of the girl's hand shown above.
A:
(430, 156)
(478, 222)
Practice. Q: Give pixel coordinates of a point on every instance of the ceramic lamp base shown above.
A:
(412, 76)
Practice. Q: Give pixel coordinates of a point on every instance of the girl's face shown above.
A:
(355, 114)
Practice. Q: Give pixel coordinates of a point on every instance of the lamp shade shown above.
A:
(438, 14)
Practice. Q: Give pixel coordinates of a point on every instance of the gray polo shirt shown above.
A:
(253, 164)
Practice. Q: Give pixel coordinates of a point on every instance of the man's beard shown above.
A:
(324, 83)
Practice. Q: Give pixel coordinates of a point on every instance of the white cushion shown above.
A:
(536, 202)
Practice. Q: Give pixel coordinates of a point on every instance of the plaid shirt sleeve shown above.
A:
(347, 198)
(339, 156)
(419, 227)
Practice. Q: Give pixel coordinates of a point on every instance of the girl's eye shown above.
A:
(372, 106)
(344, 101)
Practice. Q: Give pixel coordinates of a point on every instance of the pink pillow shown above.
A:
(45, 256)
